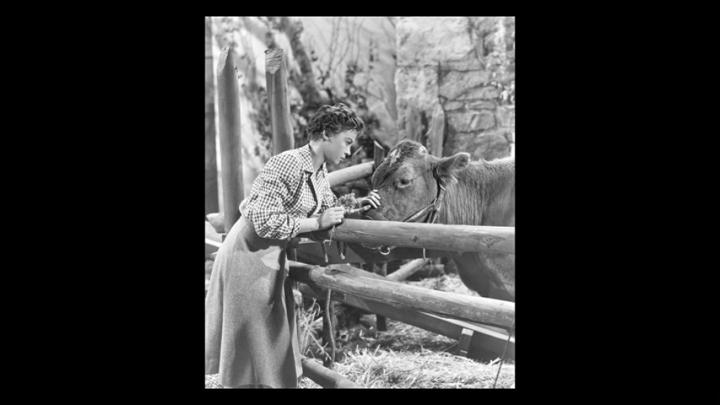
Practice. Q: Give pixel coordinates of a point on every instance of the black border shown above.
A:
(139, 297)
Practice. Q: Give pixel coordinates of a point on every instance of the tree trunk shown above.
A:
(305, 83)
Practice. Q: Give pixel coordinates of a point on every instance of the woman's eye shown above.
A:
(404, 182)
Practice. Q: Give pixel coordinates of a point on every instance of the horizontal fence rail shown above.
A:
(350, 173)
(349, 280)
(457, 238)
(484, 341)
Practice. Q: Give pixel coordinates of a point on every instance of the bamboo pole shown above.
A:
(456, 238)
(350, 173)
(276, 76)
(229, 131)
(347, 279)
(324, 377)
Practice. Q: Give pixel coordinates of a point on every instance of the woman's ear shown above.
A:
(324, 136)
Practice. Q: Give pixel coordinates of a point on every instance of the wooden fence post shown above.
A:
(276, 76)
(436, 131)
(211, 175)
(434, 140)
(380, 321)
(229, 131)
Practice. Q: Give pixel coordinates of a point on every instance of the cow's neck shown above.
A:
(483, 194)
(499, 208)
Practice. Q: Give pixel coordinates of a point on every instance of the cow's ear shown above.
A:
(448, 166)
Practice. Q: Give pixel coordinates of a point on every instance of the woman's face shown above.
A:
(338, 147)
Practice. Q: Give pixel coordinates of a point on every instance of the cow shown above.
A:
(416, 186)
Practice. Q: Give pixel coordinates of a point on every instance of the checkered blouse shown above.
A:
(285, 191)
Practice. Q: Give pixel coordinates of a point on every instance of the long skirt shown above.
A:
(250, 328)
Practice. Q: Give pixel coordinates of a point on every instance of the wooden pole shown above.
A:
(329, 320)
(211, 175)
(435, 137)
(346, 279)
(276, 76)
(229, 129)
(407, 270)
(380, 321)
(350, 173)
(378, 153)
(436, 131)
(413, 125)
(457, 238)
(324, 377)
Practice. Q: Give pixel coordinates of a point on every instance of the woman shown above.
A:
(250, 330)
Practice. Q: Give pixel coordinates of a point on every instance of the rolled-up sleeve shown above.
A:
(266, 208)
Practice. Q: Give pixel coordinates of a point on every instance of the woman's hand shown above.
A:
(371, 201)
(331, 216)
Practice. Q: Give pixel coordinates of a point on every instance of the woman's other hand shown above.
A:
(372, 200)
(332, 216)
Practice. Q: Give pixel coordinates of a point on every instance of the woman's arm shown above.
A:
(309, 224)
(319, 222)
(266, 208)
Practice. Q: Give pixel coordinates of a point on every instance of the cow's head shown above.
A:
(407, 180)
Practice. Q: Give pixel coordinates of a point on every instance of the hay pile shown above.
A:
(425, 369)
(409, 357)
(447, 282)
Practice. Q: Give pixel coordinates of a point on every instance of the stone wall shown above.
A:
(467, 66)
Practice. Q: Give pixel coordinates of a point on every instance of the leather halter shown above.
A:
(429, 212)
(431, 209)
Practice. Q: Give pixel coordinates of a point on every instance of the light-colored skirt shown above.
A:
(250, 327)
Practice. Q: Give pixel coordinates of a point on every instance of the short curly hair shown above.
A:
(333, 119)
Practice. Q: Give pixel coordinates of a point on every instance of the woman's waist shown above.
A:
(255, 242)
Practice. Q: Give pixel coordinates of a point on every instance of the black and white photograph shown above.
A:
(360, 202)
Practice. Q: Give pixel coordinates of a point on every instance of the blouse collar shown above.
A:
(307, 163)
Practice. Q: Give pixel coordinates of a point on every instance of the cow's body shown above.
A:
(476, 193)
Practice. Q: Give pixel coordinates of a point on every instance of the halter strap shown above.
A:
(431, 210)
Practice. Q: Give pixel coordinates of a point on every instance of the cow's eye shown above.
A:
(404, 182)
